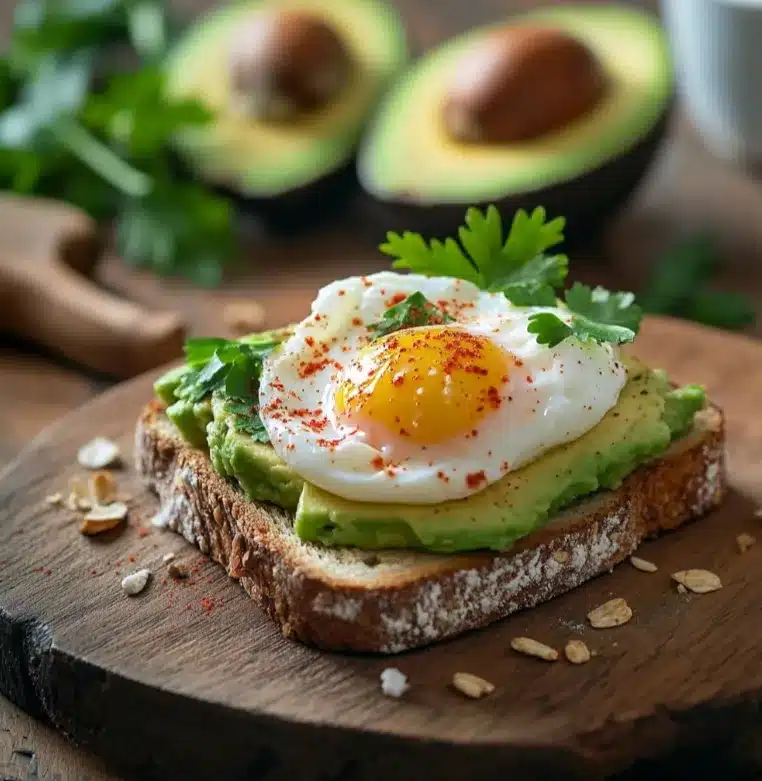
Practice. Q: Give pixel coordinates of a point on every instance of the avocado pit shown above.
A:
(287, 62)
(521, 83)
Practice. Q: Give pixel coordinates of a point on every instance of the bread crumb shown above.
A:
(577, 652)
(613, 613)
(525, 645)
(699, 581)
(393, 682)
(177, 570)
(472, 685)
(133, 584)
(167, 557)
(54, 500)
(642, 564)
(98, 454)
(681, 589)
(745, 541)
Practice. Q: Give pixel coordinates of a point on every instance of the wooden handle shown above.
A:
(67, 312)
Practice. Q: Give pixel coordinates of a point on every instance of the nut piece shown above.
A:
(561, 556)
(577, 652)
(472, 685)
(699, 581)
(745, 541)
(103, 517)
(243, 317)
(393, 682)
(642, 564)
(525, 645)
(520, 83)
(133, 584)
(54, 500)
(287, 62)
(102, 486)
(615, 612)
(98, 454)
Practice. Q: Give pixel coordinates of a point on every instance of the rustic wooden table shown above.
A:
(686, 191)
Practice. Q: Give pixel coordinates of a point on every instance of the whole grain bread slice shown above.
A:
(391, 601)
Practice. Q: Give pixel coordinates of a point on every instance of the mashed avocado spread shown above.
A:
(647, 417)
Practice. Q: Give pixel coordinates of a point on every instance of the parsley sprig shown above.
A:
(232, 368)
(519, 266)
(85, 117)
(516, 265)
(416, 310)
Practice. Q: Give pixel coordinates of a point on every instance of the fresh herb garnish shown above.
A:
(679, 285)
(519, 267)
(515, 266)
(74, 128)
(594, 315)
(416, 310)
(229, 367)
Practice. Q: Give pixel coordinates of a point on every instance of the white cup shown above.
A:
(717, 49)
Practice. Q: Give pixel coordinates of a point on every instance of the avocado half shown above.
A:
(282, 165)
(420, 178)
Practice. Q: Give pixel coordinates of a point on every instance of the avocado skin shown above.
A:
(587, 202)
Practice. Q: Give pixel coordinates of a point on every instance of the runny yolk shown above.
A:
(427, 385)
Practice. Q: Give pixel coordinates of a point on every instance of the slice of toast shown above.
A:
(391, 601)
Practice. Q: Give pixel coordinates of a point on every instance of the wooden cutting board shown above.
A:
(191, 681)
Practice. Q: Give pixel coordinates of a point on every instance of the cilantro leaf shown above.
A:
(200, 351)
(416, 310)
(516, 266)
(248, 421)
(596, 315)
(435, 259)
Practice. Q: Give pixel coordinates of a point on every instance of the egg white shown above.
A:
(558, 395)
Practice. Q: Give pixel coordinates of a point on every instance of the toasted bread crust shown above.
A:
(334, 600)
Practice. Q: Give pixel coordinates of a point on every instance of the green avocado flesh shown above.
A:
(407, 155)
(264, 159)
(647, 417)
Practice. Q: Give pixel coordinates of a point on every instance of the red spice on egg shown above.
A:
(443, 477)
(529, 379)
(398, 379)
(475, 479)
(377, 462)
(132, 558)
(309, 341)
(356, 321)
(342, 292)
(397, 298)
(143, 531)
(318, 318)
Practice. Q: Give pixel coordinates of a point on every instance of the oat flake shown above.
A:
(613, 613)
(642, 564)
(525, 645)
(472, 685)
(577, 652)
(699, 581)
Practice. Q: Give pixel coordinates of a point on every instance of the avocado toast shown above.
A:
(428, 452)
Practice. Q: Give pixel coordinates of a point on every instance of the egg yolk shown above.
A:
(427, 384)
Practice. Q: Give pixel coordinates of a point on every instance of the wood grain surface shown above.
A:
(686, 191)
(141, 680)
